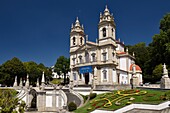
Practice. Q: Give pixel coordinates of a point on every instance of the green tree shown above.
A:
(161, 43)
(62, 65)
(9, 103)
(35, 71)
(157, 73)
(142, 57)
(10, 69)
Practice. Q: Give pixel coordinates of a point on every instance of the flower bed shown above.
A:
(120, 98)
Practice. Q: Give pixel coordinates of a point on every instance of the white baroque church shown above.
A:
(105, 60)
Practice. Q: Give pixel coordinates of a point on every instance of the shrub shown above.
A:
(167, 95)
(72, 106)
(92, 95)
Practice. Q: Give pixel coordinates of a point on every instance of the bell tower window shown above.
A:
(81, 41)
(74, 41)
(104, 32)
(112, 31)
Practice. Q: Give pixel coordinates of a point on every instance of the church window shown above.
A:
(104, 32)
(74, 41)
(74, 75)
(87, 57)
(104, 74)
(112, 31)
(104, 56)
(93, 57)
(74, 61)
(81, 41)
(80, 59)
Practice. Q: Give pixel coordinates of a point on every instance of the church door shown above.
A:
(86, 78)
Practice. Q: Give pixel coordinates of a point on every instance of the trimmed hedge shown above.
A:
(92, 95)
(72, 106)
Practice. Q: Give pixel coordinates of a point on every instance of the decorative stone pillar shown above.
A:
(27, 82)
(54, 98)
(15, 82)
(43, 81)
(20, 84)
(165, 80)
(38, 84)
(41, 100)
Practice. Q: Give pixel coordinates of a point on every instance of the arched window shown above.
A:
(112, 31)
(104, 32)
(74, 41)
(80, 59)
(93, 57)
(81, 41)
(104, 75)
(87, 57)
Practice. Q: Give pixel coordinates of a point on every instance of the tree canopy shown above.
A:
(62, 66)
(150, 58)
(15, 67)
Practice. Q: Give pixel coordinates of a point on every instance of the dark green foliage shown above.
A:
(92, 95)
(160, 46)
(72, 106)
(167, 95)
(15, 67)
(8, 102)
(35, 71)
(10, 69)
(149, 58)
(62, 66)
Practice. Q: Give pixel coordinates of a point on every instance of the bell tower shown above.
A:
(106, 26)
(76, 35)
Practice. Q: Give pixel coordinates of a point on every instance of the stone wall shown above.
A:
(112, 87)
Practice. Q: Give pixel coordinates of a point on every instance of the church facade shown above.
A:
(105, 60)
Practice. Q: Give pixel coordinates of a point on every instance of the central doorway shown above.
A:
(86, 78)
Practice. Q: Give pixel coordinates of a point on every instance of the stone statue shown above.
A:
(165, 71)
(165, 80)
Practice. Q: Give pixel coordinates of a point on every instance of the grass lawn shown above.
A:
(119, 99)
(57, 80)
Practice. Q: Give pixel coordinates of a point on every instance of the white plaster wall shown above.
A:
(120, 48)
(123, 77)
(48, 101)
(130, 62)
(123, 63)
(114, 76)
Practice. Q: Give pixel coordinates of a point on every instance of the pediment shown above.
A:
(88, 45)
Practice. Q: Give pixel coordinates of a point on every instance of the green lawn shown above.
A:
(119, 99)
(57, 80)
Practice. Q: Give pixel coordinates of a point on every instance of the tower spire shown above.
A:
(77, 23)
(106, 11)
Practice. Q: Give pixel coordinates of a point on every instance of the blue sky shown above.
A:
(38, 30)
